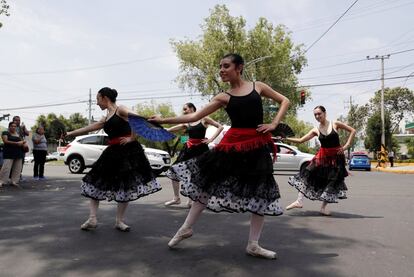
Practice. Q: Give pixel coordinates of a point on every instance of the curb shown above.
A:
(393, 171)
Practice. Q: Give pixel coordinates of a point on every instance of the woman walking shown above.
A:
(122, 172)
(196, 145)
(324, 177)
(236, 175)
(39, 153)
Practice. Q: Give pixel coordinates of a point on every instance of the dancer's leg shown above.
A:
(298, 203)
(185, 230)
(323, 209)
(253, 248)
(120, 225)
(92, 222)
(176, 200)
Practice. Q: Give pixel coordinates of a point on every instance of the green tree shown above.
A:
(410, 146)
(372, 140)
(398, 103)
(4, 9)
(269, 51)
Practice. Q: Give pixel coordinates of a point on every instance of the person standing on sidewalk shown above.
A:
(196, 145)
(23, 133)
(122, 173)
(324, 178)
(39, 153)
(391, 157)
(237, 174)
(12, 156)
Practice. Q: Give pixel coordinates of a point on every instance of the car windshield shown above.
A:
(360, 157)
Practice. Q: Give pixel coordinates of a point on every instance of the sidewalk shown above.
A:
(407, 168)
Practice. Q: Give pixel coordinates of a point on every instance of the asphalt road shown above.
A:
(369, 234)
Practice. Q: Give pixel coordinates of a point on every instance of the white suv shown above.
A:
(83, 152)
(289, 158)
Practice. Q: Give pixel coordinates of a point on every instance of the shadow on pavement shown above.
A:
(40, 236)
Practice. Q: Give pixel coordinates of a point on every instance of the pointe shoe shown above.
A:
(122, 227)
(89, 224)
(325, 212)
(179, 236)
(294, 205)
(173, 202)
(253, 249)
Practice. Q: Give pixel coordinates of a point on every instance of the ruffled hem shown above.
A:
(327, 194)
(229, 194)
(133, 193)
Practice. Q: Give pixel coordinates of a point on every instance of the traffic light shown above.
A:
(302, 97)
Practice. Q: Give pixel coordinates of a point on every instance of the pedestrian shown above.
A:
(196, 145)
(391, 157)
(12, 156)
(122, 173)
(39, 153)
(237, 174)
(324, 178)
(23, 133)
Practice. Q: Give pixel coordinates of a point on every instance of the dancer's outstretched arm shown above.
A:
(312, 133)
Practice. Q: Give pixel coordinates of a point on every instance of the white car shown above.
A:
(289, 158)
(83, 152)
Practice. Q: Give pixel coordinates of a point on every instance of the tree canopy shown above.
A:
(269, 52)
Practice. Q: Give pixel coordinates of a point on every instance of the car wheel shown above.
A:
(76, 164)
(303, 167)
(368, 169)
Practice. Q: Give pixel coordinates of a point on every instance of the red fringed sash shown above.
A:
(327, 156)
(116, 140)
(193, 142)
(245, 139)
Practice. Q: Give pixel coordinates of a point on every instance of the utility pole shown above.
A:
(90, 107)
(378, 57)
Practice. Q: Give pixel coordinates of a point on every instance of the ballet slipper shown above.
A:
(175, 201)
(253, 249)
(89, 224)
(182, 234)
(325, 212)
(294, 205)
(122, 227)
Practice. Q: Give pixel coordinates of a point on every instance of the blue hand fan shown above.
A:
(148, 130)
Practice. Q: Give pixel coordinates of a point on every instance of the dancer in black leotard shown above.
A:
(236, 175)
(323, 179)
(196, 145)
(122, 172)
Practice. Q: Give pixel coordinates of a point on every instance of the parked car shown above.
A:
(289, 158)
(49, 157)
(359, 160)
(84, 150)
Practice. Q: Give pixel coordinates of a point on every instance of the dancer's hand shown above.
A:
(341, 150)
(206, 141)
(155, 118)
(264, 128)
(125, 140)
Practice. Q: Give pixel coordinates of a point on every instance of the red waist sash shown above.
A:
(117, 140)
(327, 156)
(245, 139)
(193, 142)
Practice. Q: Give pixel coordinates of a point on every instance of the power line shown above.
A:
(330, 27)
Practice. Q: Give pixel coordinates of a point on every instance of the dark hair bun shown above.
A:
(109, 92)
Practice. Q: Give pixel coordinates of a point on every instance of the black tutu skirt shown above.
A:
(323, 181)
(232, 181)
(187, 153)
(122, 173)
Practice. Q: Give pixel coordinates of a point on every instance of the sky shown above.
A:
(54, 52)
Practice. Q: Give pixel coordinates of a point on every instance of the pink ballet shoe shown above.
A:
(122, 227)
(173, 202)
(294, 205)
(253, 249)
(182, 234)
(89, 224)
(325, 212)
